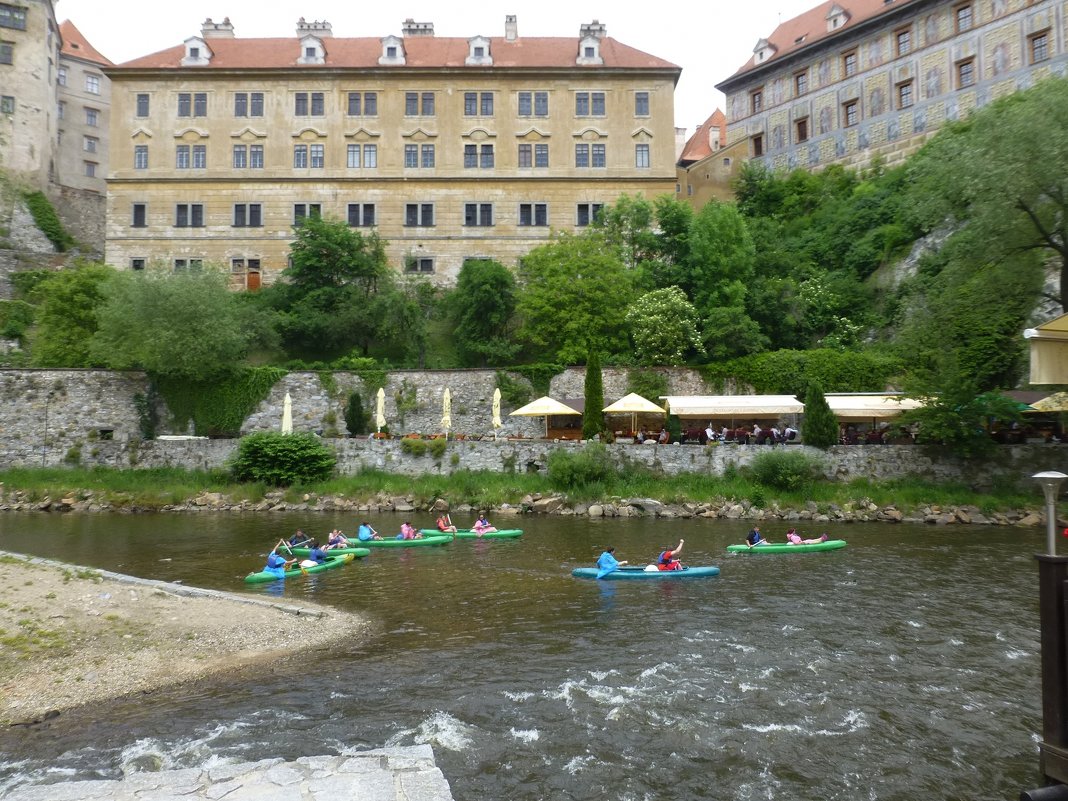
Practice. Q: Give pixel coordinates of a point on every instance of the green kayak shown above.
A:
(782, 547)
(294, 570)
(468, 534)
(436, 538)
(359, 553)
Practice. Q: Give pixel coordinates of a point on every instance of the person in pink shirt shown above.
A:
(794, 538)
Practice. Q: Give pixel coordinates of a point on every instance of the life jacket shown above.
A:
(275, 561)
(441, 525)
(665, 562)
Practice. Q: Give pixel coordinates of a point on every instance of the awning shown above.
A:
(744, 406)
(543, 407)
(1048, 345)
(1057, 402)
(632, 404)
(868, 405)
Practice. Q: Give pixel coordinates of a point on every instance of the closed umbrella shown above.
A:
(446, 412)
(496, 411)
(287, 415)
(543, 407)
(380, 410)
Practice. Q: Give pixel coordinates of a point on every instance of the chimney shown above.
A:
(413, 28)
(217, 30)
(511, 28)
(594, 28)
(316, 28)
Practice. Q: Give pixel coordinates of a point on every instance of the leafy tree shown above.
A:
(729, 333)
(186, 325)
(282, 459)
(356, 415)
(483, 305)
(573, 298)
(1001, 173)
(627, 226)
(663, 327)
(820, 428)
(720, 259)
(327, 253)
(592, 416)
(67, 316)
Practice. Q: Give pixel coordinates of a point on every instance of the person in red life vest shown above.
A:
(669, 560)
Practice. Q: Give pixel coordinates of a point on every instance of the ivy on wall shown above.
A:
(789, 372)
(218, 408)
(539, 375)
(46, 219)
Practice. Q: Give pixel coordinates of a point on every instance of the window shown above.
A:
(200, 104)
(589, 52)
(411, 104)
(140, 215)
(248, 104)
(352, 157)
(89, 144)
(485, 160)
(589, 155)
(193, 265)
(61, 110)
(589, 104)
(965, 73)
(300, 104)
(849, 64)
(411, 156)
(478, 104)
(7, 104)
(597, 153)
(185, 104)
(526, 158)
(318, 104)
(641, 156)
(426, 155)
(533, 104)
(12, 17)
(756, 101)
(309, 52)
(541, 155)
(200, 157)
(420, 264)
(586, 213)
(92, 84)
(137, 264)
(963, 17)
(192, 104)
(181, 157)
(582, 155)
(248, 215)
(416, 104)
(361, 215)
(1039, 46)
(92, 117)
(370, 156)
(419, 215)
(142, 105)
(904, 95)
(363, 104)
(140, 157)
(300, 157)
(428, 104)
(800, 83)
(478, 156)
(7, 52)
(301, 211)
(391, 51)
(801, 130)
(318, 157)
(533, 214)
(478, 215)
(240, 157)
(641, 104)
(189, 215)
(758, 145)
(255, 157)
(61, 76)
(903, 42)
(850, 112)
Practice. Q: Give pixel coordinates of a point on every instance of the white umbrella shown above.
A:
(543, 407)
(446, 412)
(287, 415)
(496, 411)
(380, 410)
(633, 404)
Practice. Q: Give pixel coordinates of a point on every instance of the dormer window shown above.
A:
(763, 51)
(392, 51)
(478, 52)
(194, 52)
(836, 17)
(312, 50)
(197, 52)
(589, 51)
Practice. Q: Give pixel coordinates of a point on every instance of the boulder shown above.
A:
(1031, 520)
(547, 505)
(595, 510)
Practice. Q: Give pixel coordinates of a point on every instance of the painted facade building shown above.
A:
(449, 148)
(850, 80)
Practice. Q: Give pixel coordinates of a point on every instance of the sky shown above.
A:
(709, 44)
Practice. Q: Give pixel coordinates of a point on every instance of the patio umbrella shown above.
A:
(634, 404)
(1057, 402)
(446, 412)
(496, 411)
(380, 410)
(543, 407)
(287, 415)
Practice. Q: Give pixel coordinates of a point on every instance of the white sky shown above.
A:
(710, 40)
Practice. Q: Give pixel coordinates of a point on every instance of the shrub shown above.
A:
(581, 469)
(413, 446)
(355, 415)
(437, 447)
(593, 417)
(788, 470)
(46, 219)
(282, 459)
(820, 428)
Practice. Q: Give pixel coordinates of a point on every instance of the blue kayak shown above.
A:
(640, 573)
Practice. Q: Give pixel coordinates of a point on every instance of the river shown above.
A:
(904, 666)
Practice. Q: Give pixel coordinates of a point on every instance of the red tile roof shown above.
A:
(419, 51)
(806, 29)
(77, 46)
(698, 146)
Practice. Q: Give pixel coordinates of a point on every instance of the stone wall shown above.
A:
(82, 214)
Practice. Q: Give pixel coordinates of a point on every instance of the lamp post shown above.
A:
(44, 444)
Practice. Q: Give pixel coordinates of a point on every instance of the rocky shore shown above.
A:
(859, 511)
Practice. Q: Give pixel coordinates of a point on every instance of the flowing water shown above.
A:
(905, 666)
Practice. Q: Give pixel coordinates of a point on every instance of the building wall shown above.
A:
(998, 47)
(711, 178)
(84, 130)
(28, 129)
(448, 185)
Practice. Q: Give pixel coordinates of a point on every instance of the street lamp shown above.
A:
(1051, 484)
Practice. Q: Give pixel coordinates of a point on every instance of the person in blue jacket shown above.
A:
(277, 564)
(365, 532)
(755, 537)
(316, 556)
(607, 562)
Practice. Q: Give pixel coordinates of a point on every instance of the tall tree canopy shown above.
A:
(66, 319)
(482, 307)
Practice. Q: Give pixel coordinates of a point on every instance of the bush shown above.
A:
(593, 417)
(788, 470)
(437, 447)
(581, 469)
(282, 459)
(820, 428)
(413, 446)
(355, 415)
(46, 219)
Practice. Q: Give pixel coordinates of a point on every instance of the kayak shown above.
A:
(468, 534)
(295, 571)
(782, 547)
(392, 542)
(359, 552)
(626, 573)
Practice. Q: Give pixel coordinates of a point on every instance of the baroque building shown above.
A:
(851, 80)
(450, 148)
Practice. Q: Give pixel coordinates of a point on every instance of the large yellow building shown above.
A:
(450, 148)
(849, 80)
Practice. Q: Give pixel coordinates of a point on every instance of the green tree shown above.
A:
(627, 226)
(573, 298)
(820, 427)
(356, 415)
(186, 325)
(720, 259)
(483, 305)
(67, 316)
(663, 327)
(592, 416)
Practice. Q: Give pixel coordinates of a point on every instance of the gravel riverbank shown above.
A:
(72, 636)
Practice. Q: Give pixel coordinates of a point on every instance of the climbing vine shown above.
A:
(218, 408)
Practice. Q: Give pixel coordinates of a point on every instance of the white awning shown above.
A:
(745, 406)
(869, 405)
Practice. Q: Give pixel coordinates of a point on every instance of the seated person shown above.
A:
(336, 540)
(755, 537)
(794, 538)
(668, 560)
(482, 525)
(365, 532)
(789, 434)
(316, 556)
(445, 525)
(407, 532)
(607, 562)
(664, 437)
(710, 434)
(277, 564)
(299, 538)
